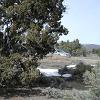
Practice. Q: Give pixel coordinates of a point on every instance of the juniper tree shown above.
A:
(30, 25)
(29, 28)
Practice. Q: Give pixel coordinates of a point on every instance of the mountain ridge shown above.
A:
(91, 46)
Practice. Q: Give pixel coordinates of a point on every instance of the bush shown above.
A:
(63, 70)
(54, 93)
(93, 79)
(81, 68)
(74, 48)
(16, 70)
(89, 78)
(78, 72)
(70, 94)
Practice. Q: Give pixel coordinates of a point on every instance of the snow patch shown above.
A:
(52, 72)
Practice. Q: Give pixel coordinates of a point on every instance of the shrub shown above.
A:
(96, 51)
(16, 70)
(93, 79)
(54, 93)
(78, 72)
(81, 68)
(27, 35)
(73, 94)
(89, 78)
(63, 70)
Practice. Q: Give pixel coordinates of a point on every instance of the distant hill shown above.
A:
(91, 46)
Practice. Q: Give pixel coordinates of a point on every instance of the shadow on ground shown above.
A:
(37, 87)
(7, 93)
(22, 92)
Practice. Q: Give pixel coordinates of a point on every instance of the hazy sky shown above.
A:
(82, 20)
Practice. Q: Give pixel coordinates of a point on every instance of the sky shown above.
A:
(82, 19)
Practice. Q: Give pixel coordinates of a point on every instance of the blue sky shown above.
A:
(82, 19)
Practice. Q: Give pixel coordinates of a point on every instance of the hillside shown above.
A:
(91, 46)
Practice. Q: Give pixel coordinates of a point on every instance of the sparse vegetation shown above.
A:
(92, 81)
(96, 51)
(74, 48)
(29, 30)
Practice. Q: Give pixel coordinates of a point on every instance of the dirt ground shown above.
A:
(59, 61)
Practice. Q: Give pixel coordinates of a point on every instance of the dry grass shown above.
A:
(59, 61)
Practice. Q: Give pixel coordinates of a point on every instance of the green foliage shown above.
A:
(74, 48)
(63, 70)
(53, 93)
(28, 77)
(78, 72)
(91, 90)
(96, 51)
(73, 94)
(93, 79)
(31, 25)
(29, 29)
(16, 70)
(82, 68)
(89, 78)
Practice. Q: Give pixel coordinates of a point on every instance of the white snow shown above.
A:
(52, 72)
(66, 75)
(93, 65)
(71, 66)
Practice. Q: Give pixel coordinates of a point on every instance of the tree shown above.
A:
(74, 47)
(96, 51)
(93, 78)
(29, 29)
(28, 17)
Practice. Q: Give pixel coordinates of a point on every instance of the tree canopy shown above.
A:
(29, 29)
(74, 47)
(30, 25)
